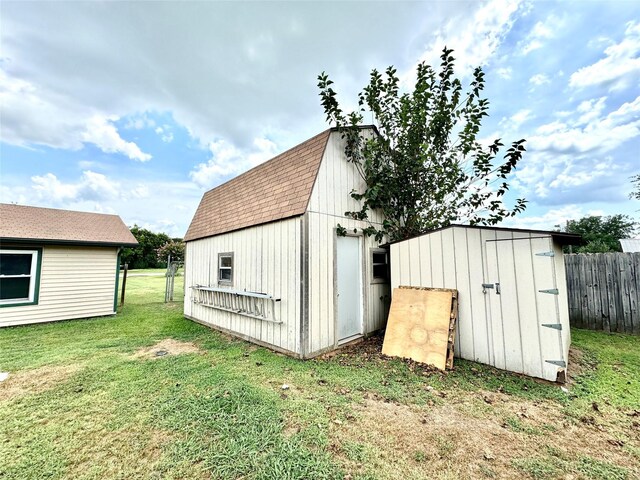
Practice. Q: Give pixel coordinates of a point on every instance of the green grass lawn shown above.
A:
(86, 400)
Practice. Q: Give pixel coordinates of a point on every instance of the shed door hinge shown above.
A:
(557, 326)
(546, 254)
(560, 363)
(554, 291)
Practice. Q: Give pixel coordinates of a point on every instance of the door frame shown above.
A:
(363, 289)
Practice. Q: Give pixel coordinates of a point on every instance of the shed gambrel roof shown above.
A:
(277, 189)
(22, 223)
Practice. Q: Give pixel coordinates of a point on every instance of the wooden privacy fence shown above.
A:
(604, 291)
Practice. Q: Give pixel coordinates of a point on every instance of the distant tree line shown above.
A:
(601, 234)
(153, 249)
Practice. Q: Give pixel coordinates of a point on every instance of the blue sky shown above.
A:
(138, 108)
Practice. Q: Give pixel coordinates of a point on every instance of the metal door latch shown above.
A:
(491, 285)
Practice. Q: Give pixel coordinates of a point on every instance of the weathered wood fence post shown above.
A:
(124, 283)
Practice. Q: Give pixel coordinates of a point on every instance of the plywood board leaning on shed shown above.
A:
(421, 325)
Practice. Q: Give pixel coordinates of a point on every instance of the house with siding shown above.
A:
(264, 262)
(58, 264)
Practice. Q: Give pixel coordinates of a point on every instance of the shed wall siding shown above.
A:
(267, 260)
(329, 201)
(75, 282)
(491, 328)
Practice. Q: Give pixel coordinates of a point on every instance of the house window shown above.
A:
(19, 272)
(379, 265)
(225, 268)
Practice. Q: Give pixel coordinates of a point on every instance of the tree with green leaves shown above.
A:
(601, 234)
(425, 166)
(145, 254)
(174, 249)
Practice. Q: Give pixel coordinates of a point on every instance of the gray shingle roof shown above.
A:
(279, 188)
(21, 222)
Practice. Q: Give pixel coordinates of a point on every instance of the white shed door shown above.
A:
(349, 291)
(525, 331)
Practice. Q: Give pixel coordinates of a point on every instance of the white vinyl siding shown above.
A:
(266, 259)
(75, 282)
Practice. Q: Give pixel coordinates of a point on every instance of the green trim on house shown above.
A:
(115, 295)
(36, 289)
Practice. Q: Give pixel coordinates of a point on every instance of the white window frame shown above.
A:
(32, 276)
(222, 281)
(375, 279)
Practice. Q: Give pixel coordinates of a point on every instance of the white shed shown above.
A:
(513, 310)
(263, 260)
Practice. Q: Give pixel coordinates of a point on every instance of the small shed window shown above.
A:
(225, 268)
(18, 277)
(379, 265)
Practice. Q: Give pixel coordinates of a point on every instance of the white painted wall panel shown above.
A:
(266, 260)
(75, 282)
(501, 330)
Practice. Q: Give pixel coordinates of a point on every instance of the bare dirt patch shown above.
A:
(29, 382)
(479, 435)
(166, 347)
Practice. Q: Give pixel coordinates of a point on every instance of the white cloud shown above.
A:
(590, 131)
(577, 159)
(515, 121)
(147, 205)
(550, 219)
(103, 133)
(33, 115)
(165, 133)
(91, 186)
(474, 39)
(140, 191)
(590, 110)
(505, 72)
(573, 177)
(539, 79)
(619, 68)
(89, 164)
(139, 122)
(227, 160)
(541, 32)
(253, 67)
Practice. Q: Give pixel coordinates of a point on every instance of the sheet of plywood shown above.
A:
(419, 325)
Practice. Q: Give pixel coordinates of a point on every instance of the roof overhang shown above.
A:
(561, 238)
(51, 241)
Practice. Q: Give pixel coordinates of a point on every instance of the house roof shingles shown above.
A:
(20, 222)
(279, 188)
